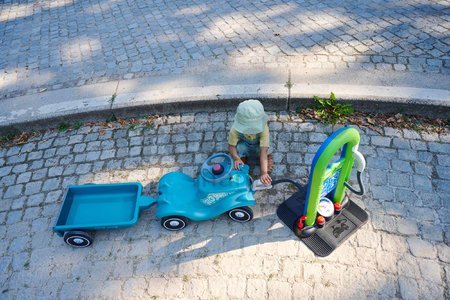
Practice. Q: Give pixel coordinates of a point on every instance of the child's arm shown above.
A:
(265, 177)
(237, 160)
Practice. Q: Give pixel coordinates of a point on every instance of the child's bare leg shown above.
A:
(269, 163)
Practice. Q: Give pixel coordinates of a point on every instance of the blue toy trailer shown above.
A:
(91, 207)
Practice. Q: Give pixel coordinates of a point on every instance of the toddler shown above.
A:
(249, 136)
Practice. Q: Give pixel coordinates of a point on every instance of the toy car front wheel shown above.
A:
(241, 214)
(78, 239)
(174, 223)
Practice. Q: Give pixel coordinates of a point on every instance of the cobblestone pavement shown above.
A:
(64, 43)
(402, 252)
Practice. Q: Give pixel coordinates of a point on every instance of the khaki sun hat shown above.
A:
(250, 117)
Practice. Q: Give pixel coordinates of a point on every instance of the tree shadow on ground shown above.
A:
(107, 40)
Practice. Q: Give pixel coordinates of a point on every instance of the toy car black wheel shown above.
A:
(241, 214)
(78, 239)
(174, 223)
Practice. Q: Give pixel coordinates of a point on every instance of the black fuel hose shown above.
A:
(297, 185)
(360, 183)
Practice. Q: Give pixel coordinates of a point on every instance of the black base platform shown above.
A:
(324, 240)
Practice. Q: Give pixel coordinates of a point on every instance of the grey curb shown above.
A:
(166, 95)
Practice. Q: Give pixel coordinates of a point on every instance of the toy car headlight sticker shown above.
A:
(237, 178)
(213, 198)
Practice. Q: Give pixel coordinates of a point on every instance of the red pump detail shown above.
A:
(320, 220)
(300, 223)
(337, 207)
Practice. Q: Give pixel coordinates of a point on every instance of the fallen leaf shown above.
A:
(371, 121)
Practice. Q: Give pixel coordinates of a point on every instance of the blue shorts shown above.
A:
(250, 150)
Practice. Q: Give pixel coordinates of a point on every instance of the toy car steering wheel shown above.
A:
(217, 167)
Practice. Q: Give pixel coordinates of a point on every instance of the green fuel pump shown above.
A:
(321, 214)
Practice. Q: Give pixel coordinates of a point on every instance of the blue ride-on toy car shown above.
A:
(219, 189)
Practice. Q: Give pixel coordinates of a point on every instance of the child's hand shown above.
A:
(238, 163)
(266, 179)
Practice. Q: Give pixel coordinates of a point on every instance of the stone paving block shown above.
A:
(424, 156)
(19, 168)
(443, 160)
(79, 148)
(443, 253)
(387, 153)
(432, 232)
(401, 165)
(54, 197)
(429, 136)
(407, 155)
(383, 193)
(418, 145)
(18, 203)
(13, 217)
(407, 227)
(399, 179)
(5, 171)
(35, 155)
(302, 289)
(279, 289)
(429, 289)
(421, 248)
(401, 143)
(422, 183)
(442, 186)
(51, 184)
(135, 151)
(13, 191)
(443, 172)
(439, 147)
(430, 270)
(381, 141)
(408, 288)
(93, 146)
(11, 160)
(256, 288)
(423, 169)
(35, 199)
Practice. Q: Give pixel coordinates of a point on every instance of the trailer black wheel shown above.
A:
(78, 239)
(241, 214)
(174, 223)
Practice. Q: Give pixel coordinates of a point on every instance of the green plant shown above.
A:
(113, 98)
(7, 138)
(111, 118)
(63, 127)
(329, 111)
(77, 125)
(149, 126)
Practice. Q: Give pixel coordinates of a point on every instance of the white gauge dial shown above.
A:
(326, 207)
